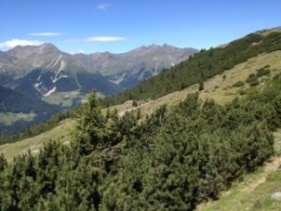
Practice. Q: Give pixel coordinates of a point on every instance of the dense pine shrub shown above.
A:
(171, 160)
(262, 72)
(238, 84)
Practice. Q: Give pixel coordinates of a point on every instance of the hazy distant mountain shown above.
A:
(42, 71)
(142, 63)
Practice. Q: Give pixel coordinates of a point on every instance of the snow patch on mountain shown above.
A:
(58, 64)
(40, 87)
(50, 92)
(59, 75)
(39, 77)
(37, 85)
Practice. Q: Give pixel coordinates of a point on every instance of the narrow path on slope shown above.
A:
(249, 185)
(270, 166)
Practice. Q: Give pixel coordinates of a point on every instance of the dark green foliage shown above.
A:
(195, 154)
(254, 83)
(135, 104)
(252, 80)
(91, 126)
(201, 85)
(242, 92)
(3, 163)
(238, 84)
(10, 101)
(262, 72)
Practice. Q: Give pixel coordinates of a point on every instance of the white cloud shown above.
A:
(103, 6)
(15, 42)
(46, 34)
(98, 39)
(105, 39)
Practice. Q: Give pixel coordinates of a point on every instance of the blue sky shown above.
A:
(121, 25)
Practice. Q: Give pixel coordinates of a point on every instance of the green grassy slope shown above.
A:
(218, 87)
(61, 133)
(202, 66)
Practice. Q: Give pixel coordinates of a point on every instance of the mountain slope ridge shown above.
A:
(135, 66)
(202, 66)
(45, 73)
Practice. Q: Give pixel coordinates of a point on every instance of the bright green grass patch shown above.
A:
(10, 118)
(60, 133)
(258, 199)
(65, 99)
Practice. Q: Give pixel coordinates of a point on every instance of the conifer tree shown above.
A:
(90, 130)
(3, 162)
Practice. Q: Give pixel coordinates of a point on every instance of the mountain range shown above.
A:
(61, 79)
(41, 71)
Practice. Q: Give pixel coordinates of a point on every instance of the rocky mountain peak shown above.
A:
(48, 48)
(28, 51)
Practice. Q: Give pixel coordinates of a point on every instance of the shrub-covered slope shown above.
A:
(171, 160)
(202, 66)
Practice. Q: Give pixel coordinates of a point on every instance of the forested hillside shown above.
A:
(171, 160)
(202, 66)
(13, 106)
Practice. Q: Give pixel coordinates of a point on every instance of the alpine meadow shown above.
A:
(176, 141)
